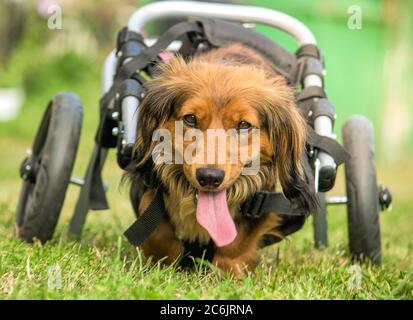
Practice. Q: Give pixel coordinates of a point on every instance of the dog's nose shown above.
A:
(209, 177)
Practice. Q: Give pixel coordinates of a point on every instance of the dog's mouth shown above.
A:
(213, 214)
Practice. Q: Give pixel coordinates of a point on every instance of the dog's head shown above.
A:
(199, 101)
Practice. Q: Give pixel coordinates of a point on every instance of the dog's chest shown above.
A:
(188, 229)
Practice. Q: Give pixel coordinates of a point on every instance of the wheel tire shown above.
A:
(362, 190)
(54, 148)
(320, 223)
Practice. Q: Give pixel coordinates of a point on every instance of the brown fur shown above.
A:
(222, 87)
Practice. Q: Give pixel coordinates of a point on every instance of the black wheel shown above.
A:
(46, 172)
(320, 223)
(362, 190)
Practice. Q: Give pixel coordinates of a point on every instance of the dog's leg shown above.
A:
(242, 254)
(162, 243)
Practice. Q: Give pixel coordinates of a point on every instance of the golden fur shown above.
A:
(222, 87)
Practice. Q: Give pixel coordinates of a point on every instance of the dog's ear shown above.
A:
(287, 134)
(164, 93)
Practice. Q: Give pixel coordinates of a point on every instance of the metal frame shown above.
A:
(238, 13)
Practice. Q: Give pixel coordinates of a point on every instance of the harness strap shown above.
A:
(264, 202)
(150, 54)
(331, 146)
(147, 222)
(311, 92)
(125, 35)
(221, 33)
(308, 50)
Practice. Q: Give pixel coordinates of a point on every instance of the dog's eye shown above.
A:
(190, 120)
(244, 125)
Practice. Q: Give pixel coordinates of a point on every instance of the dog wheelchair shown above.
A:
(46, 171)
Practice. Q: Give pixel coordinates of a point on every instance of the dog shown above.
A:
(231, 87)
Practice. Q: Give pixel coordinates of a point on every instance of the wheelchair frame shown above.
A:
(127, 122)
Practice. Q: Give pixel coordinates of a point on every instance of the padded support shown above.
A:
(128, 88)
(221, 33)
(125, 35)
(129, 44)
(309, 50)
(310, 61)
(312, 66)
(322, 107)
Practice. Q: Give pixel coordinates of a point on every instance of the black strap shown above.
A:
(308, 50)
(150, 54)
(126, 35)
(222, 33)
(310, 61)
(147, 222)
(331, 146)
(92, 194)
(264, 202)
(311, 92)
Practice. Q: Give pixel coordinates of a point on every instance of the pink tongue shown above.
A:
(212, 213)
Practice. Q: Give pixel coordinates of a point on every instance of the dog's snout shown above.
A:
(209, 177)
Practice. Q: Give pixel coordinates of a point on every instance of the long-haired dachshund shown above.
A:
(232, 87)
